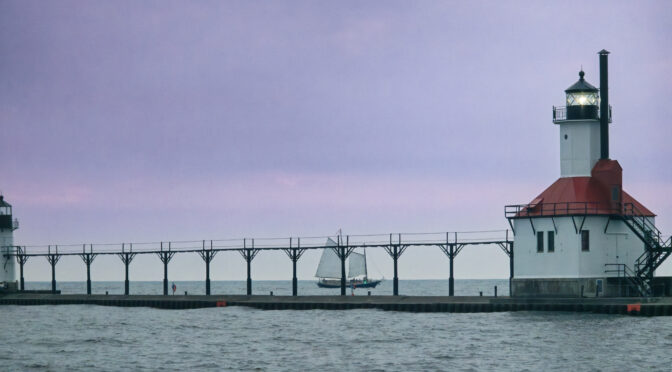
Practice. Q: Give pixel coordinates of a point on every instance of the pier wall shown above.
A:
(568, 287)
(623, 306)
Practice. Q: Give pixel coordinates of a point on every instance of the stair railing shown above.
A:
(623, 271)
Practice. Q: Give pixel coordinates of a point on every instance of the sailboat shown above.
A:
(329, 270)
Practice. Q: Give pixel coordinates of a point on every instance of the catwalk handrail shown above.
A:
(315, 242)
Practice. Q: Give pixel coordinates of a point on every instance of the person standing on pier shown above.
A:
(174, 288)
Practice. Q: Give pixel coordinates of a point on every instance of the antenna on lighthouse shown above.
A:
(604, 104)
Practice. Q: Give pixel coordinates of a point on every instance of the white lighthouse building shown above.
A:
(7, 250)
(584, 235)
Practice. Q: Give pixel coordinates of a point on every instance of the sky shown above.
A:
(127, 121)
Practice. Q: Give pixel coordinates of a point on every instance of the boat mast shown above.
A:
(366, 271)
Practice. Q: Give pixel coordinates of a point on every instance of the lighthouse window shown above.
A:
(585, 240)
(540, 241)
(551, 241)
(615, 194)
(581, 99)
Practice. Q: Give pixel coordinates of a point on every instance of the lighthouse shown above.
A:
(584, 235)
(7, 250)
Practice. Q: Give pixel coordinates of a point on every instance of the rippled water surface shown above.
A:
(83, 338)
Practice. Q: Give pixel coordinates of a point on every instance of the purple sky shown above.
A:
(156, 120)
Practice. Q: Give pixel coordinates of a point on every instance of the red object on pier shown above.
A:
(634, 307)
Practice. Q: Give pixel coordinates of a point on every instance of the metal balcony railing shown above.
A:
(560, 114)
(626, 210)
(561, 209)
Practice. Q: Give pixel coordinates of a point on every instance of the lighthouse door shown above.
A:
(620, 255)
(616, 254)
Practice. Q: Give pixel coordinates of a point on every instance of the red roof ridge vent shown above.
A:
(607, 164)
(608, 172)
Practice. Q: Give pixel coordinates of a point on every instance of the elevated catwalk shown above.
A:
(450, 243)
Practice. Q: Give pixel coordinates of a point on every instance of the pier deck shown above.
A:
(451, 304)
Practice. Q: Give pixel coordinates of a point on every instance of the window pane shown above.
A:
(582, 99)
(551, 241)
(615, 193)
(540, 241)
(585, 240)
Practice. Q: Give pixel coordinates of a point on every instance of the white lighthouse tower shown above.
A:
(579, 129)
(584, 235)
(7, 259)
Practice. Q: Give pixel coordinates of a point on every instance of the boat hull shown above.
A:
(325, 283)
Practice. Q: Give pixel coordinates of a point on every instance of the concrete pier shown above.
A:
(449, 304)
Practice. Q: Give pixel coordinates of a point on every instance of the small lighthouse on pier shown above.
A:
(584, 235)
(7, 259)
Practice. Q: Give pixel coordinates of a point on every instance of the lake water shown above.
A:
(84, 338)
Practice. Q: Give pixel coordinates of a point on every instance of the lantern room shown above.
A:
(6, 216)
(582, 100)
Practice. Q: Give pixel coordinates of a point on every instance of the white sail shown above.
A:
(330, 264)
(357, 265)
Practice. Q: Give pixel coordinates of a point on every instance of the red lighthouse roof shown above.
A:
(600, 194)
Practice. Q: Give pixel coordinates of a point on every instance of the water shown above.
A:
(84, 338)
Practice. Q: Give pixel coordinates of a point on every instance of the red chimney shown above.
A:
(610, 175)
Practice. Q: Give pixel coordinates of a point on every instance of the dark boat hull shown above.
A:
(348, 284)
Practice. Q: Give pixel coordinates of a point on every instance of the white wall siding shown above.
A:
(7, 264)
(617, 245)
(581, 149)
